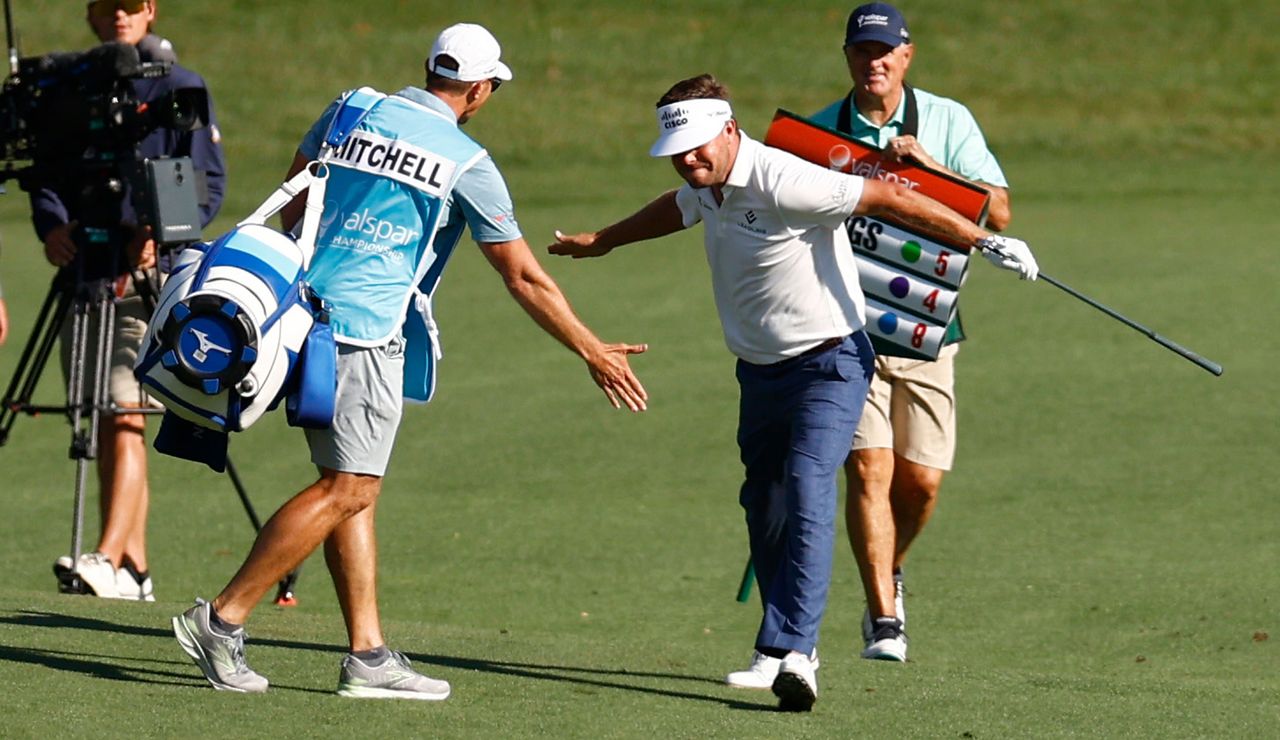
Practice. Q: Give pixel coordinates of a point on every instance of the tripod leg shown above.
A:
(81, 445)
(35, 355)
(284, 594)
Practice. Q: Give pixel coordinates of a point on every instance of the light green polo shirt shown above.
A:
(947, 131)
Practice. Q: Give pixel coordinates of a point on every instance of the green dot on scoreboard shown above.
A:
(911, 251)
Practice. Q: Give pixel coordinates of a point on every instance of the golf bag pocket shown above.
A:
(229, 326)
(310, 403)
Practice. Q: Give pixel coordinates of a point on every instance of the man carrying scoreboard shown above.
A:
(906, 439)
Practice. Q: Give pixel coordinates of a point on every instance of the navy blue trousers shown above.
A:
(795, 429)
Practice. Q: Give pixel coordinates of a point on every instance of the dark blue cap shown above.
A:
(877, 22)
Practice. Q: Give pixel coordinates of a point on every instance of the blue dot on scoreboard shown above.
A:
(899, 287)
(888, 324)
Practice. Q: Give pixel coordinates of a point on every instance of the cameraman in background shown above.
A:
(117, 568)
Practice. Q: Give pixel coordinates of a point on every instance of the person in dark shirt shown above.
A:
(117, 567)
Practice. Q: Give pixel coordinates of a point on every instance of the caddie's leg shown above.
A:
(924, 422)
(869, 518)
(124, 495)
(351, 553)
(914, 495)
(825, 400)
(293, 533)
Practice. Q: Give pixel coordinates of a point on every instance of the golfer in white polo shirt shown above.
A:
(786, 289)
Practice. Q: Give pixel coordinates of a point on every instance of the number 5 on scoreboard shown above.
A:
(941, 269)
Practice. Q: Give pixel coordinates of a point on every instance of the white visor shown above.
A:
(689, 124)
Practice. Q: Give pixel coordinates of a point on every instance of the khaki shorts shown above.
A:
(126, 341)
(911, 409)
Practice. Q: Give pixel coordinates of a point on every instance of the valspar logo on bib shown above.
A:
(364, 231)
(384, 231)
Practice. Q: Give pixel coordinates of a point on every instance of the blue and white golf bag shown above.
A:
(236, 329)
(229, 328)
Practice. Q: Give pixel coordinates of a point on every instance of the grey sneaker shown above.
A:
(394, 679)
(220, 658)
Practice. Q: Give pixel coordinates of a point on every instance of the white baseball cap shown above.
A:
(474, 49)
(688, 124)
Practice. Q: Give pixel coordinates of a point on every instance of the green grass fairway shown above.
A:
(1104, 560)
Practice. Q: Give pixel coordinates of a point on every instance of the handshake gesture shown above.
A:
(1010, 254)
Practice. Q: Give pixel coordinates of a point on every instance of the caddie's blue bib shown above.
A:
(379, 235)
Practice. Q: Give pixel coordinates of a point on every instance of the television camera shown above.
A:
(72, 123)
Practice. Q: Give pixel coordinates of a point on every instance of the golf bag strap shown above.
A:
(910, 117)
(314, 177)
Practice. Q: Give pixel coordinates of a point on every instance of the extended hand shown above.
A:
(1010, 254)
(611, 371)
(578, 246)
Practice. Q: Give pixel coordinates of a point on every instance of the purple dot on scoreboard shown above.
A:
(899, 287)
(888, 324)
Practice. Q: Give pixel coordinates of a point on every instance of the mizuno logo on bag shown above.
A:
(206, 344)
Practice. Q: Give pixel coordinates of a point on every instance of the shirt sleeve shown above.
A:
(482, 196)
(809, 194)
(970, 156)
(47, 211)
(687, 202)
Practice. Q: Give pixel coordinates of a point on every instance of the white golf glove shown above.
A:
(1010, 254)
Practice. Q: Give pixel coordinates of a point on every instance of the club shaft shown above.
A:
(1165, 342)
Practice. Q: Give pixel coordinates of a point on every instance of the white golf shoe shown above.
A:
(797, 683)
(97, 572)
(128, 587)
(762, 672)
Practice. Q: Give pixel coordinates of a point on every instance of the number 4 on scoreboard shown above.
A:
(931, 301)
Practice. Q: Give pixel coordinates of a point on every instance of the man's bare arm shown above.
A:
(541, 298)
(659, 218)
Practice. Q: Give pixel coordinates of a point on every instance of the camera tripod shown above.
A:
(75, 295)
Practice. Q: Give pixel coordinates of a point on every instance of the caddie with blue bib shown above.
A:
(401, 182)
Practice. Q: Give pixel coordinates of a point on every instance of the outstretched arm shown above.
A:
(658, 218)
(930, 217)
(541, 298)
